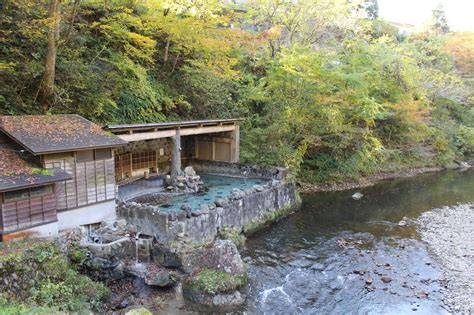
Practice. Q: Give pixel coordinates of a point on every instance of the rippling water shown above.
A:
(341, 256)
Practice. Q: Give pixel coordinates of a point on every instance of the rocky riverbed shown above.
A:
(449, 233)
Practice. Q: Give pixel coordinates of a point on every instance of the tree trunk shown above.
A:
(71, 24)
(272, 49)
(47, 85)
(175, 62)
(167, 49)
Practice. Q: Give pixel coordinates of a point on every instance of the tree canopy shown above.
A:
(327, 87)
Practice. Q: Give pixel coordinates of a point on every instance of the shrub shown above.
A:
(40, 280)
(213, 282)
(233, 235)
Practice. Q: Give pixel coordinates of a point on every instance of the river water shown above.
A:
(342, 256)
(337, 255)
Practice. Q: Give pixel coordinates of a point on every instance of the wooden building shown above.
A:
(66, 179)
(60, 171)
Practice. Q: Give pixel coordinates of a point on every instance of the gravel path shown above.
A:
(449, 232)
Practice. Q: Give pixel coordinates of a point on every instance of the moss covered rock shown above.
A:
(217, 276)
(213, 288)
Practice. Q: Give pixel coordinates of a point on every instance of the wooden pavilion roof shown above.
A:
(41, 134)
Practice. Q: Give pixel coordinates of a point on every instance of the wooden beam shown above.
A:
(148, 135)
(170, 133)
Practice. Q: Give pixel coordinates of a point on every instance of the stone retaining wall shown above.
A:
(240, 170)
(242, 211)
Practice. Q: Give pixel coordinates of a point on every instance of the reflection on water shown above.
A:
(338, 255)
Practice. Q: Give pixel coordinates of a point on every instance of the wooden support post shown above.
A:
(235, 145)
(213, 149)
(176, 157)
(196, 148)
(131, 164)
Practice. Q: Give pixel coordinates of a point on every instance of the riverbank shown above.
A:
(448, 231)
(365, 181)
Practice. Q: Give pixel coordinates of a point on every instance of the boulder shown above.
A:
(258, 188)
(232, 299)
(386, 279)
(162, 278)
(188, 210)
(237, 194)
(220, 202)
(186, 207)
(121, 223)
(357, 196)
(196, 213)
(182, 215)
(172, 216)
(204, 208)
(402, 223)
(166, 256)
(222, 255)
(189, 171)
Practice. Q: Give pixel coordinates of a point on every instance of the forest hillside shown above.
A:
(327, 88)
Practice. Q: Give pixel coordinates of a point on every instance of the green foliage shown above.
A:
(74, 293)
(214, 282)
(42, 171)
(233, 235)
(331, 116)
(8, 308)
(42, 281)
(76, 254)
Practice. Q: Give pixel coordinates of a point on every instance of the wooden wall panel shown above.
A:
(93, 181)
(204, 149)
(222, 151)
(81, 184)
(109, 179)
(22, 214)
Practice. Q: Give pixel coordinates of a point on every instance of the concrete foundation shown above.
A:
(104, 211)
(44, 230)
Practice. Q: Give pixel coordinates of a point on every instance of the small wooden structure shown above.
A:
(161, 148)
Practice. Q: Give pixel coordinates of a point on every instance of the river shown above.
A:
(338, 255)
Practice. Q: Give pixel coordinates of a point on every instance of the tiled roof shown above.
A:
(18, 170)
(41, 134)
